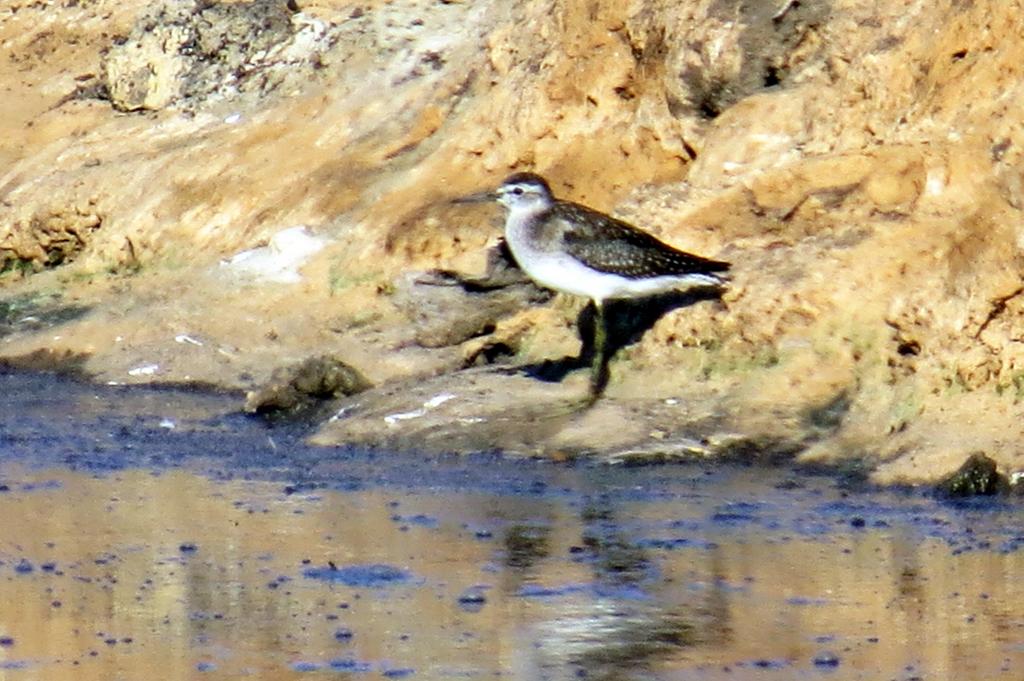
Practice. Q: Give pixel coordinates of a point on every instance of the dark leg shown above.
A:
(599, 369)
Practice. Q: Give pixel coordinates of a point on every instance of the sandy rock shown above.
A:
(978, 476)
(305, 386)
(487, 409)
(195, 50)
(448, 308)
(469, 412)
(49, 239)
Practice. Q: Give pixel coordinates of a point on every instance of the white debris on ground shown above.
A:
(435, 401)
(185, 338)
(280, 260)
(144, 370)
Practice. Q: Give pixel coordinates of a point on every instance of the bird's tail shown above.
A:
(710, 279)
(717, 273)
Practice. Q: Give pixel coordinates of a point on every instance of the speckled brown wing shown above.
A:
(616, 247)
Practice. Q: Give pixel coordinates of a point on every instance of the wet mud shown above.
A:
(157, 533)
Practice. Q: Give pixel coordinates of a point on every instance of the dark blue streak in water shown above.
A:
(610, 591)
(674, 543)
(804, 600)
(349, 665)
(539, 591)
(373, 576)
(303, 666)
(473, 598)
(766, 664)
(418, 519)
(737, 513)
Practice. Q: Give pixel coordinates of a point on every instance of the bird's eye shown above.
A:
(518, 191)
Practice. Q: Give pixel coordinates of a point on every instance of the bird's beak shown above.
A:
(481, 197)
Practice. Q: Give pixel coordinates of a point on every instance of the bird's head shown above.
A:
(521, 191)
(524, 190)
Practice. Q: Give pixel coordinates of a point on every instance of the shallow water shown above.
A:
(154, 534)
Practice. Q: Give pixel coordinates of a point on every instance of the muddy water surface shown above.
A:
(155, 534)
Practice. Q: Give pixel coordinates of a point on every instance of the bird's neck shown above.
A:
(523, 217)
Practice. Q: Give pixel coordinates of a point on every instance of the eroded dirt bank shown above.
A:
(859, 163)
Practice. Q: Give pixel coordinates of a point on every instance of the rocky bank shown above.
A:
(858, 162)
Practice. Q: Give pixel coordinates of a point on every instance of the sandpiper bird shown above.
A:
(574, 249)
